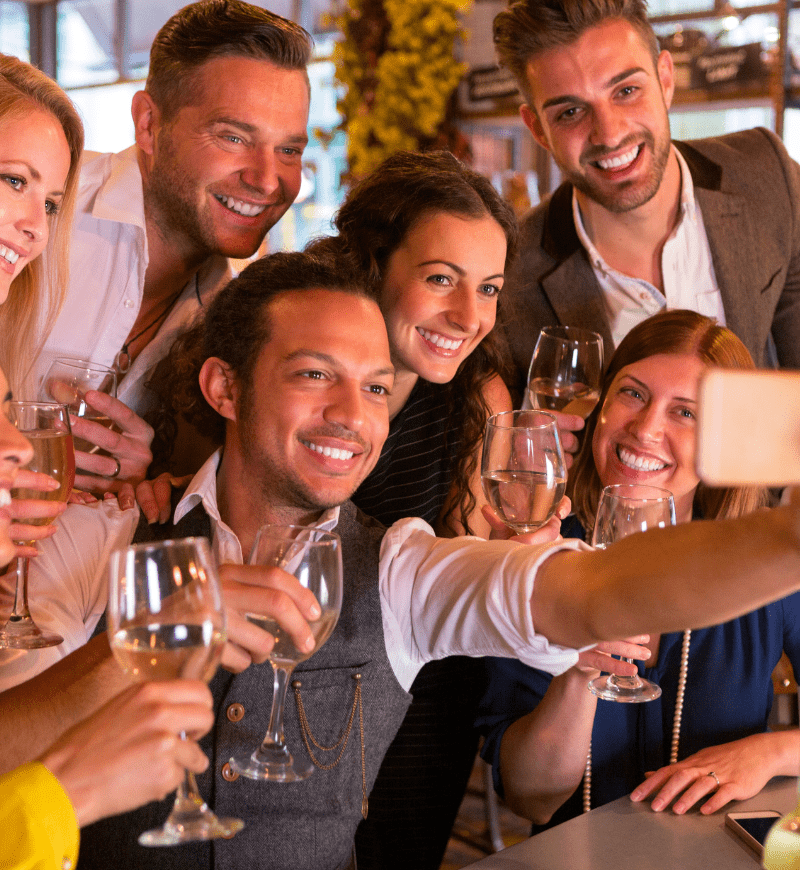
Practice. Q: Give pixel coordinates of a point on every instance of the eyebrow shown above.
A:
(615, 80)
(250, 128)
(457, 269)
(332, 361)
(674, 398)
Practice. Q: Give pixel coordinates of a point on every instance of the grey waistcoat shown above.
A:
(291, 826)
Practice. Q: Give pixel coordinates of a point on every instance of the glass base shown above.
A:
(202, 826)
(273, 764)
(23, 633)
(609, 688)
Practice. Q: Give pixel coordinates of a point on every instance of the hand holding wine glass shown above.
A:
(46, 426)
(166, 620)
(522, 468)
(625, 510)
(314, 557)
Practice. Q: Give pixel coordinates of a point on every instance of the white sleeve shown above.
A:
(462, 596)
(67, 584)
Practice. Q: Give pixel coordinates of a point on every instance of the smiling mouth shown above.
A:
(332, 452)
(8, 255)
(238, 206)
(622, 161)
(439, 340)
(638, 463)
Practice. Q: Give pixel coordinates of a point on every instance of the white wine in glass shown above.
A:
(566, 370)
(166, 620)
(624, 510)
(314, 557)
(522, 468)
(46, 426)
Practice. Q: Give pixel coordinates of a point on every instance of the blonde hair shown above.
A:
(670, 332)
(38, 292)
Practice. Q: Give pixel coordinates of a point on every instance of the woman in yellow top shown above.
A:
(130, 751)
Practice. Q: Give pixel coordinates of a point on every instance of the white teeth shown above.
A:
(333, 452)
(440, 340)
(8, 254)
(622, 160)
(242, 208)
(638, 463)
(5, 498)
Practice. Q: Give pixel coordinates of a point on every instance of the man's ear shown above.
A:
(532, 122)
(220, 388)
(666, 76)
(146, 121)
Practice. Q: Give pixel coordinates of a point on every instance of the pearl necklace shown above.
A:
(676, 723)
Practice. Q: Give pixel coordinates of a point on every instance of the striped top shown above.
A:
(413, 475)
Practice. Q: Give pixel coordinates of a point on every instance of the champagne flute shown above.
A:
(314, 557)
(625, 510)
(166, 620)
(566, 370)
(46, 426)
(67, 381)
(522, 468)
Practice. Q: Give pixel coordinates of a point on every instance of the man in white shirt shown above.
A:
(293, 376)
(220, 132)
(640, 222)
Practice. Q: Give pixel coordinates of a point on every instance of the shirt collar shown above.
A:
(203, 488)
(121, 198)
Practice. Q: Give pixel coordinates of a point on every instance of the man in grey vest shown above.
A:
(289, 372)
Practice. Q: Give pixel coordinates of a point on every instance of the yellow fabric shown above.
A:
(38, 828)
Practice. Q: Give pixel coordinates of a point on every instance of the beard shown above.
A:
(631, 195)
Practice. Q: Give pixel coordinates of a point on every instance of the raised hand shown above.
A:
(21, 510)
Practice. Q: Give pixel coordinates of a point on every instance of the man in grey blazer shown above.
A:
(641, 223)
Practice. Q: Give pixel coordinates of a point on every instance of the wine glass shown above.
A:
(625, 510)
(67, 381)
(566, 370)
(314, 557)
(166, 620)
(522, 468)
(46, 426)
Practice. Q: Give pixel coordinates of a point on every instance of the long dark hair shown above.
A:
(669, 332)
(374, 220)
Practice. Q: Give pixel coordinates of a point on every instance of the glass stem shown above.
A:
(633, 682)
(274, 743)
(189, 804)
(20, 611)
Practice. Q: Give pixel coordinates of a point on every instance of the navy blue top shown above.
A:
(728, 696)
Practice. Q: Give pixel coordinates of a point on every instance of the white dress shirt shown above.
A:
(439, 597)
(686, 266)
(108, 261)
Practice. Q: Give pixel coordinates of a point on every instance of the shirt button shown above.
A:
(235, 712)
(67, 864)
(128, 303)
(228, 773)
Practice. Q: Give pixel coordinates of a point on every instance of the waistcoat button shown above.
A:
(235, 712)
(229, 773)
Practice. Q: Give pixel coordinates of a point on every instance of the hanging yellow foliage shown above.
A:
(397, 64)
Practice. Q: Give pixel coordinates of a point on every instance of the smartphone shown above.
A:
(752, 827)
(748, 430)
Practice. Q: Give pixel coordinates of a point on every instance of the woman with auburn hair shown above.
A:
(706, 737)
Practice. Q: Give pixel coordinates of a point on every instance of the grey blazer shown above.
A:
(748, 189)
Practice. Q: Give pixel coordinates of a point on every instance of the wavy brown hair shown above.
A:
(373, 221)
(670, 332)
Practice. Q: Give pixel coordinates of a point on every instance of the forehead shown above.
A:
(474, 238)
(589, 63)
(672, 373)
(347, 328)
(35, 137)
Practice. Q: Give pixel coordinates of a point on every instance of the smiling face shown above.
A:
(222, 172)
(646, 429)
(600, 108)
(34, 163)
(311, 426)
(439, 295)
(15, 451)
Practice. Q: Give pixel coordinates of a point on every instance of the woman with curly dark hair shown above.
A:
(434, 238)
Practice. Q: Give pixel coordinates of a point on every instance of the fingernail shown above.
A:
(658, 804)
(679, 809)
(635, 796)
(315, 611)
(52, 484)
(309, 644)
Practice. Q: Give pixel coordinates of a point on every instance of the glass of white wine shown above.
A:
(166, 620)
(314, 557)
(624, 510)
(68, 380)
(566, 370)
(522, 468)
(46, 426)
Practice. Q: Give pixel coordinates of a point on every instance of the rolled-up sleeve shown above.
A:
(462, 596)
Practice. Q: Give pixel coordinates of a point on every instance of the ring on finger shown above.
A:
(116, 471)
(716, 778)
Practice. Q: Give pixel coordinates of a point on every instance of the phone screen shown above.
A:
(758, 828)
